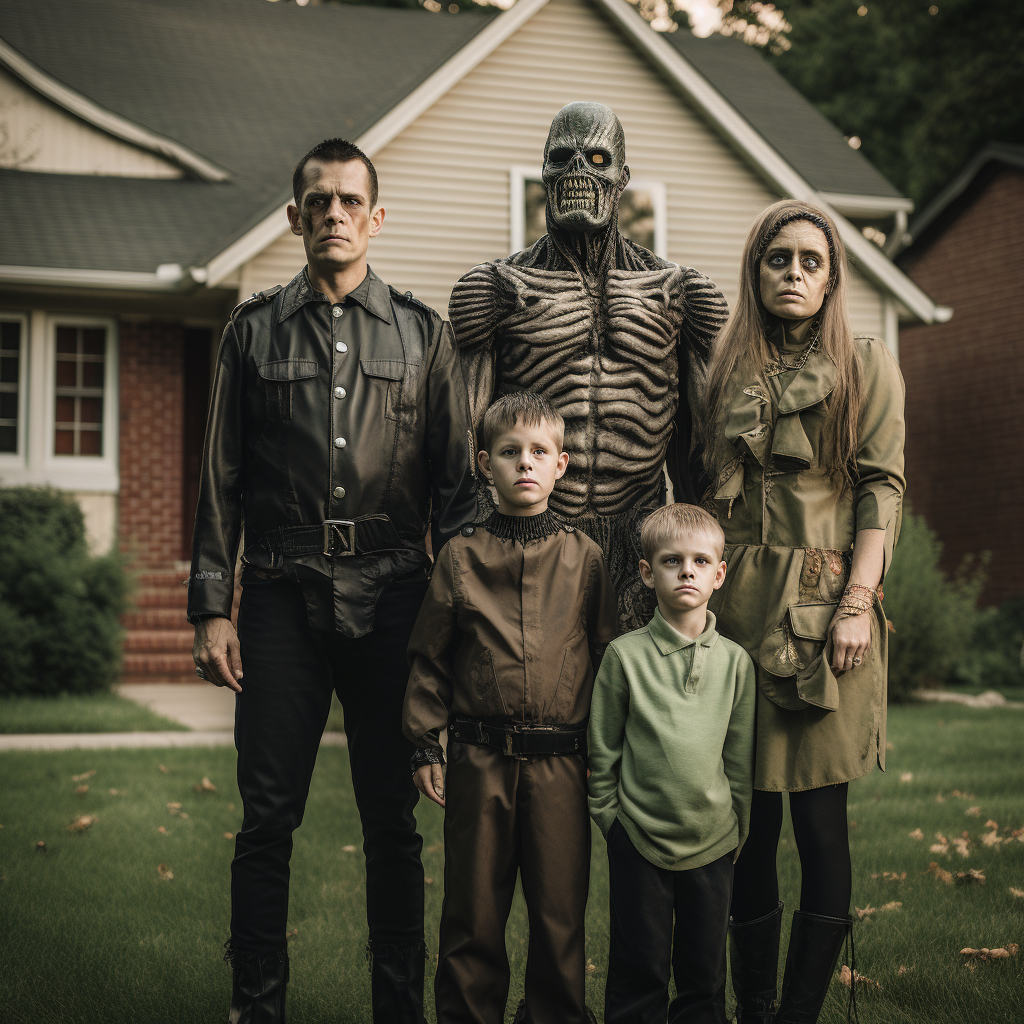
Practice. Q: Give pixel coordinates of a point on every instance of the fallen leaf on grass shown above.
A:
(991, 838)
(962, 796)
(1019, 893)
(889, 745)
(894, 905)
(114, 792)
(591, 966)
(163, 831)
(907, 777)
(939, 798)
(183, 815)
(970, 877)
(916, 834)
(292, 933)
(83, 776)
(174, 808)
(853, 824)
(428, 880)
(229, 835)
(81, 823)
(1002, 953)
(348, 849)
(82, 789)
(848, 977)
(164, 872)
(942, 846)
(164, 769)
(891, 876)
(963, 844)
(940, 873)
(231, 807)
(973, 812)
(41, 846)
(206, 786)
(866, 912)
(901, 970)
(435, 847)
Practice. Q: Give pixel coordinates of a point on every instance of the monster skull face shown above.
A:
(584, 167)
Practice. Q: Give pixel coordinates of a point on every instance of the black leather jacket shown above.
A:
(336, 432)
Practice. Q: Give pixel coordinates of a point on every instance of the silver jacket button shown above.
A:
(341, 346)
(340, 442)
(336, 311)
(340, 392)
(339, 492)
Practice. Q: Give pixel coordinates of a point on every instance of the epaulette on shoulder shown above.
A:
(408, 299)
(865, 337)
(256, 299)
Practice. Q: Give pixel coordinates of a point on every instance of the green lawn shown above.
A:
(92, 933)
(95, 712)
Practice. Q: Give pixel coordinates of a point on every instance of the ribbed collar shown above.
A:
(521, 529)
(670, 640)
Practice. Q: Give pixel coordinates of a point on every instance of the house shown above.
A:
(146, 150)
(965, 378)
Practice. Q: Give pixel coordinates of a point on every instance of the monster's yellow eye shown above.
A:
(597, 158)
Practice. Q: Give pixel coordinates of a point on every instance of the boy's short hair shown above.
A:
(527, 406)
(666, 523)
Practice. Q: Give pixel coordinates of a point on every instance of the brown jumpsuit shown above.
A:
(506, 632)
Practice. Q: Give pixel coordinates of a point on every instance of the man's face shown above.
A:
(523, 464)
(684, 572)
(334, 216)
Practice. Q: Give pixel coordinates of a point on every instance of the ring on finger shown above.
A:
(200, 672)
(857, 660)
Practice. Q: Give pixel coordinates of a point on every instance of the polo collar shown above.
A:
(371, 293)
(669, 640)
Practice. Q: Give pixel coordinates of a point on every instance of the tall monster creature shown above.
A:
(613, 336)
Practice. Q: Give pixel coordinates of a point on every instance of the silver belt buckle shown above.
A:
(344, 530)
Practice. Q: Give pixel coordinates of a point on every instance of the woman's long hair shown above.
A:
(746, 334)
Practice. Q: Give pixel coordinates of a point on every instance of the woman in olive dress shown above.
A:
(806, 457)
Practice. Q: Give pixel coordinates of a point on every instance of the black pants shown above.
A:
(645, 943)
(290, 673)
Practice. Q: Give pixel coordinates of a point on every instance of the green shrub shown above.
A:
(933, 616)
(994, 656)
(59, 606)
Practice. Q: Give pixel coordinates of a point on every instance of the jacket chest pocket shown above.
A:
(279, 377)
(388, 377)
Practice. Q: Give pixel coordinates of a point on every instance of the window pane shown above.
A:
(89, 442)
(8, 439)
(8, 405)
(91, 410)
(94, 341)
(67, 339)
(10, 334)
(92, 375)
(9, 370)
(64, 442)
(65, 410)
(66, 373)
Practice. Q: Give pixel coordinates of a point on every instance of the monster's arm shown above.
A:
(480, 301)
(704, 315)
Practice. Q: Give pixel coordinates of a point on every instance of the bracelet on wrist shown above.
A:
(428, 755)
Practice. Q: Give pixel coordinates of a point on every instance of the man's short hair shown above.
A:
(527, 406)
(672, 521)
(333, 151)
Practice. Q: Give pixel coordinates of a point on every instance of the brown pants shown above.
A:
(504, 815)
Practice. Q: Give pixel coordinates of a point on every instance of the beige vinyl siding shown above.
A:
(444, 181)
(38, 136)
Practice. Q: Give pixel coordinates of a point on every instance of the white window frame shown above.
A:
(36, 464)
(16, 460)
(519, 175)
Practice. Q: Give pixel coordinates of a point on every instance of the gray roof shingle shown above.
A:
(252, 85)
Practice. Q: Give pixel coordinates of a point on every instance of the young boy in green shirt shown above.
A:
(672, 766)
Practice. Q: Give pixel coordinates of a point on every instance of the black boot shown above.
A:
(814, 946)
(754, 957)
(258, 982)
(396, 982)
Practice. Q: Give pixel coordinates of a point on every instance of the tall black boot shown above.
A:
(754, 957)
(396, 982)
(258, 982)
(814, 946)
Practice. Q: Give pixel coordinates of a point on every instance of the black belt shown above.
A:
(335, 538)
(515, 738)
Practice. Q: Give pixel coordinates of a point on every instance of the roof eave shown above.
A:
(106, 120)
(167, 278)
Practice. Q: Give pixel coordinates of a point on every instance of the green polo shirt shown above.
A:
(672, 743)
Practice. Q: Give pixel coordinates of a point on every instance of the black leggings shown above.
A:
(822, 840)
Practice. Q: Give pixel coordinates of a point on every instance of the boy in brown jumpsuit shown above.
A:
(504, 654)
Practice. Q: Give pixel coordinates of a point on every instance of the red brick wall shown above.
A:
(151, 397)
(965, 383)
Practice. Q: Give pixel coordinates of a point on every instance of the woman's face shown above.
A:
(794, 271)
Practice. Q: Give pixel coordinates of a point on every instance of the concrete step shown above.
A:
(159, 641)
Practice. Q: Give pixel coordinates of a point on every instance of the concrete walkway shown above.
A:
(207, 711)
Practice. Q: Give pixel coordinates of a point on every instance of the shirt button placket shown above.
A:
(339, 443)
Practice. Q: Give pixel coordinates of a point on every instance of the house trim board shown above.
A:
(106, 120)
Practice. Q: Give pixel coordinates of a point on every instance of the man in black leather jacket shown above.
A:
(339, 431)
